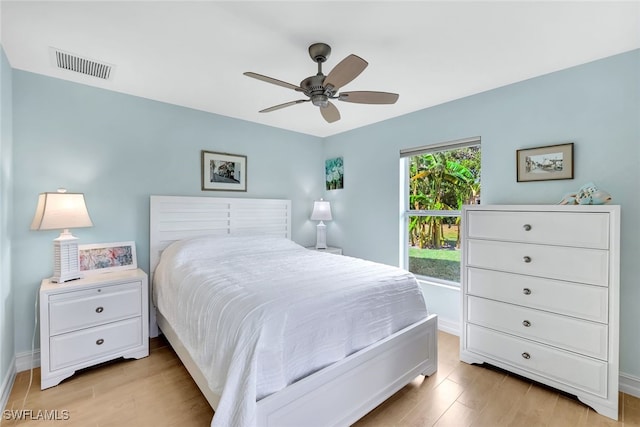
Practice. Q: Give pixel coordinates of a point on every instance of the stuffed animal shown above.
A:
(588, 194)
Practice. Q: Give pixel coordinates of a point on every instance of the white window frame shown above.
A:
(405, 213)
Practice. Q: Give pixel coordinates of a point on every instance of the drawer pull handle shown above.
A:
(527, 259)
(526, 291)
(527, 227)
(99, 309)
(526, 323)
(100, 341)
(526, 355)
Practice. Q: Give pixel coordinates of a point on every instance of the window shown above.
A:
(438, 180)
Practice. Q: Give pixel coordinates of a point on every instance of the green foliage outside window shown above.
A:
(441, 181)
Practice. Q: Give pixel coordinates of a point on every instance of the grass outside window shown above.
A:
(442, 263)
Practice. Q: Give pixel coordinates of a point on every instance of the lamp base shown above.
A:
(66, 261)
(321, 236)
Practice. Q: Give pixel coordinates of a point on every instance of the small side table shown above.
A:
(92, 320)
(329, 250)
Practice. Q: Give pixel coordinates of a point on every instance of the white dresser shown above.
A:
(92, 320)
(540, 296)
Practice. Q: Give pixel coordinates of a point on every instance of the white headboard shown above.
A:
(173, 218)
(176, 217)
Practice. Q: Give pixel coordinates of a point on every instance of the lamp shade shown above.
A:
(321, 211)
(61, 211)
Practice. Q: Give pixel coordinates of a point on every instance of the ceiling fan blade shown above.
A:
(272, 81)
(368, 97)
(286, 104)
(346, 70)
(330, 113)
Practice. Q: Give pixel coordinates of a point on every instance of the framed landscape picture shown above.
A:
(224, 171)
(545, 163)
(107, 257)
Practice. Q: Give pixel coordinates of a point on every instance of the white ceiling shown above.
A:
(193, 54)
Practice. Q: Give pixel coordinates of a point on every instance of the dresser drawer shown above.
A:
(562, 263)
(571, 334)
(71, 311)
(580, 372)
(87, 344)
(572, 299)
(588, 230)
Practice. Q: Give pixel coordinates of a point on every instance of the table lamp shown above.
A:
(62, 210)
(321, 212)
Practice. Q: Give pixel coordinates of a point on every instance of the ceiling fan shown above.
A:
(320, 88)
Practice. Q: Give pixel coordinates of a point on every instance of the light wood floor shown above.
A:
(157, 391)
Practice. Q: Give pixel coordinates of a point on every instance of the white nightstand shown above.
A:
(92, 320)
(330, 250)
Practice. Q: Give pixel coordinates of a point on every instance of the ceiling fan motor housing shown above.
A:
(312, 87)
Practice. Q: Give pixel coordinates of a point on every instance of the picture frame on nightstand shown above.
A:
(100, 258)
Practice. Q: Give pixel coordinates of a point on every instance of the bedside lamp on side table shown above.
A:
(63, 210)
(321, 212)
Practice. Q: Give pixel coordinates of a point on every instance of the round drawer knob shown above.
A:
(100, 341)
(527, 227)
(526, 291)
(526, 355)
(526, 259)
(99, 309)
(526, 323)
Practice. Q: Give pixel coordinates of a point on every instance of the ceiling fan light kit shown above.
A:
(319, 89)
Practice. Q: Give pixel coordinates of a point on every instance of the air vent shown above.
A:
(78, 64)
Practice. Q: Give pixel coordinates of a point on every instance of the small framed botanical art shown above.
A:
(334, 173)
(107, 257)
(545, 163)
(224, 171)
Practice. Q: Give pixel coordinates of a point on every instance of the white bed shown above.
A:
(338, 394)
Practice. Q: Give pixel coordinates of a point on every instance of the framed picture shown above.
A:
(224, 171)
(545, 163)
(107, 257)
(334, 173)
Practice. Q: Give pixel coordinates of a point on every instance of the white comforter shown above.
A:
(259, 313)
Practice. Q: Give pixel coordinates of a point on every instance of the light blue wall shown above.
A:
(118, 150)
(7, 349)
(596, 106)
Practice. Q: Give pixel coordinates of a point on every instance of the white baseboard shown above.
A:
(25, 361)
(629, 384)
(7, 385)
(449, 326)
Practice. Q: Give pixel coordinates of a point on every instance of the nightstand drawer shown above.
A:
(88, 344)
(91, 307)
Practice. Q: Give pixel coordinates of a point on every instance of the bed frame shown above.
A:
(337, 395)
